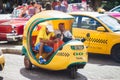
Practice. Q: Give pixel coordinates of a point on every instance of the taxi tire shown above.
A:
(27, 63)
(116, 53)
(73, 72)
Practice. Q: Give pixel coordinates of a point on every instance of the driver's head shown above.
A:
(61, 27)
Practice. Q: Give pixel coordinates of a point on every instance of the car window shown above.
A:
(85, 23)
(77, 21)
(116, 10)
(16, 13)
(112, 23)
(89, 23)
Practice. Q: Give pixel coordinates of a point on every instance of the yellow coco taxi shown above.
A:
(70, 55)
(2, 61)
(104, 32)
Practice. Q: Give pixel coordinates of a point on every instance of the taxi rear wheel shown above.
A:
(116, 53)
(27, 63)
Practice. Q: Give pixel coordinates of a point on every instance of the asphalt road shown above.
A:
(99, 67)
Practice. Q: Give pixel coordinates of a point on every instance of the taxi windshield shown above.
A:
(111, 22)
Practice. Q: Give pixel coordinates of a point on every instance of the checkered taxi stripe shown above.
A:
(96, 40)
(102, 41)
(63, 54)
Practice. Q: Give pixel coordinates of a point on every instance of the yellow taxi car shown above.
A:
(104, 32)
(2, 61)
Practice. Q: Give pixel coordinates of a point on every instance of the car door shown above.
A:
(97, 42)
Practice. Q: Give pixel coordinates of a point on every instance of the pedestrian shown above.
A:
(54, 3)
(31, 9)
(48, 6)
(64, 2)
(60, 7)
(38, 7)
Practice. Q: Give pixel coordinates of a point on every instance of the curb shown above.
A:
(12, 51)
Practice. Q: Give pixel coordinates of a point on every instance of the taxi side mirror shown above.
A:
(87, 36)
(102, 29)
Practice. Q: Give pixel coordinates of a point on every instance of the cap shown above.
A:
(50, 28)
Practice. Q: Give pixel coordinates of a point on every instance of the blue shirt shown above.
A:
(61, 8)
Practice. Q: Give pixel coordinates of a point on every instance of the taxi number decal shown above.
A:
(77, 53)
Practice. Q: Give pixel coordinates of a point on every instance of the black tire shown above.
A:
(116, 53)
(27, 63)
(73, 72)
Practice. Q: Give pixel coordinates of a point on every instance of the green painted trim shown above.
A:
(77, 63)
(24, 51)
(30, 30)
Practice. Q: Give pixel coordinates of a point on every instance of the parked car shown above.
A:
(78, 7)
(2, 61)
(114, 14)
(115, 9)
(6, 17)
(104, 32)
(12, 29)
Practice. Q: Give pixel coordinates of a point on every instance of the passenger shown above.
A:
(65, 35)
(24, 12)
(32, 9)
(42, 41)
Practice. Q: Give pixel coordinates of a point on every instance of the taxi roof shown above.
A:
(93, 14)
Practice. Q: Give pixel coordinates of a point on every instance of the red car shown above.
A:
(11, 29)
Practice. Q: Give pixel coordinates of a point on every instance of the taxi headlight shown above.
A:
(77, 47)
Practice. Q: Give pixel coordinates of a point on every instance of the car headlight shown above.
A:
(77, 47)
(13, 30)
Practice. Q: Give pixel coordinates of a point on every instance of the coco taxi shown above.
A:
(2, 61)
(104, 32)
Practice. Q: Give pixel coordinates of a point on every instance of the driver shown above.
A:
(43, 38)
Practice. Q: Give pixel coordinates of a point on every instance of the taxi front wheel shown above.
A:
(116, 53)
(27, 63)
(73, 72)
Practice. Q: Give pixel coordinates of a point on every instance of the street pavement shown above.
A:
(99, 67)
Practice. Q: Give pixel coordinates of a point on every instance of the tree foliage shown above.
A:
(111, 3)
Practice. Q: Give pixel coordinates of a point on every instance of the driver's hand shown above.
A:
(56, 40)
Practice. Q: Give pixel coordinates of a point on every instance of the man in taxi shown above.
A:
(65, 35)
(43, 38)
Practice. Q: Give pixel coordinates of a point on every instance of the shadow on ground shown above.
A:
(41, 74)
(102, 60)
(1, 78)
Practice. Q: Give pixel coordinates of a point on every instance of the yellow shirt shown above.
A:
(42, 35)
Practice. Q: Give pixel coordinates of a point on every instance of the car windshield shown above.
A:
(111, 22)
(16, 13)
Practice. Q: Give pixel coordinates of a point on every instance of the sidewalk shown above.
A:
(12, 49)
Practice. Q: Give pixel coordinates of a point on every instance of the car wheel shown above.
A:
(73, 72)
(116, 53)
(27, 63)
